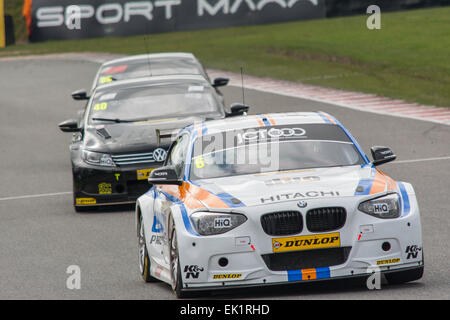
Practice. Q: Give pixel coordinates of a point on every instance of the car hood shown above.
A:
(276, 187)
(132, 137)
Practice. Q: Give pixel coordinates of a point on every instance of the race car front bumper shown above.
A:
(97, 186)
(246, 256)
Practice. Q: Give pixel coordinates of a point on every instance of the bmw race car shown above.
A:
(125, 132)
(272, 199)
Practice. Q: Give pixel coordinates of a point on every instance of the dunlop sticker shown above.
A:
(85, 201)
(387, 261)
(317, 241)
(227, 276)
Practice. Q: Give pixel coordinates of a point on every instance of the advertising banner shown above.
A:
(76, 19)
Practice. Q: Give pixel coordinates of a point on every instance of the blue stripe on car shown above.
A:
(184, 215)
(405, 198)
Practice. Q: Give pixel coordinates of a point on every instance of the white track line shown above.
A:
(421, 160)
(36, 196)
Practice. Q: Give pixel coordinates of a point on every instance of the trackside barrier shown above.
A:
(2, 25)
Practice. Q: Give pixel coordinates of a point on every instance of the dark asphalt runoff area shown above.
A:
(41, 235)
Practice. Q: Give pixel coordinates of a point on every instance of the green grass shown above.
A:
(409, 58)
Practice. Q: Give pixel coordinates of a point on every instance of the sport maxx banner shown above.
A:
(75, 19)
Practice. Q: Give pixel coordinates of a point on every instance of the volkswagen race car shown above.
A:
(272, 199)
(125, 133)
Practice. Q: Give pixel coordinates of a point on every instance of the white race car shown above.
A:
(271, 199)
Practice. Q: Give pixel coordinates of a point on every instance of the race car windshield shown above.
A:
(287, 149)
(146, 68)
(153, 102)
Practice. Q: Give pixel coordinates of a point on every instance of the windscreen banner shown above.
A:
(77, 19)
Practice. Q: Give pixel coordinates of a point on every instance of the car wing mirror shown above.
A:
(165, 176)
(80, 95)
(220, 82)
(382, 155)
(238, 110)
(69, 126)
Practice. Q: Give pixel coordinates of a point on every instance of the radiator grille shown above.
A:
(157, 156)
(325, 219)
(282, 223)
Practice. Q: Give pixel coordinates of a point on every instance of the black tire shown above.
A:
(175, 268)
(400, 277)
(144, 260)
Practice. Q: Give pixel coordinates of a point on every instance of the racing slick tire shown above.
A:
(404, 276)
(144, 260)
(175, 269)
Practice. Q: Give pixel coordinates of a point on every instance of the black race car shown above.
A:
(126, 130)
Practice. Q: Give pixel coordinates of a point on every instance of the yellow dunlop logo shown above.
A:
(227, 276)
(388, 261)
(317, 241)
(143, 174)
(85, 201)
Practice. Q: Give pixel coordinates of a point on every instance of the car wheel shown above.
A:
(404, 276)
(175, 270)
(144, 261)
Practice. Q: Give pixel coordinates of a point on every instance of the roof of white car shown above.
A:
(263, 120)
(174, 55)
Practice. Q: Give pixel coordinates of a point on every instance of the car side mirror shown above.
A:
(164, 175)
(382, 155)
(220, 82)
(69, 126)
(80, 95)
(238, 110)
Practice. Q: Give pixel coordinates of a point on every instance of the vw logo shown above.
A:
(302, 204)
(159, 154)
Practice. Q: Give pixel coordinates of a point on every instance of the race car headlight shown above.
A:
(386, 207)
(210, 223)
(98, 159)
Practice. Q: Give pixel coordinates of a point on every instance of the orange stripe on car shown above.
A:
(328, 117)
(309, 274)
(261, 124)
(382, 182)
(194, 197)
(392, 184)
(272, 122)
(379, 183)
(205, 196)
